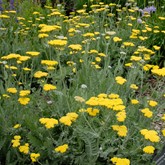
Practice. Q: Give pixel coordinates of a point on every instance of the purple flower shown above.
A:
(139, 20)
(149, 10)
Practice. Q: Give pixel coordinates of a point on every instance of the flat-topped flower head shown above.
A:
(33, 53)
(62, 148)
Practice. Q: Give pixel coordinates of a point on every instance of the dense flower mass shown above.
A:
(82, 85)
(120, 161)
(149, 149)
(62, 148)
(48, 122)
(48, 87)
(150, 135)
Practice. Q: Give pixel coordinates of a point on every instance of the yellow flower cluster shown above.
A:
(159, 72)
(16, 141)
(12, 90)
(49, 62)
(69, 118)
(120, 80)
(152, 103)
(121, 130)
(24, 148)
(40, 74)
(147, 112)
(48, 122)
(149, 149)
(33, 53)
(92, 111)
(62, 148)
(75, 47)
(34, 156)
(58, 43)
(49, 87)
(120, 161)
(151, 135)
(49, 28)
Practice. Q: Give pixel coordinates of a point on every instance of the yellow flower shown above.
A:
(160, 72)
(48, 122)
(134, 86)
(128, 44)
(24, 92)
(24, 149)
(147, 112)
(152, 103)
(40, 74)
(75, 47)
(16, 141)
(34, 157)
(156, 47)
(92, 112)
(134, 101)
(24, 100)
(121, 116)
(49, 62)
(66, 120)
(33, 53)
(135, 58)
(23, 58)
(120, 80)
(62, 148)
(151, 135)
(113, 96)
(17, 126)
(117, 39)
(149, 149)
(43, 35)
(58, 43)
(72, 115)
(48, 87)
(120, 161)
(12, 90)
(163, 132)
(163, 117)
(88, 35)
(4, 16)
(121, 130)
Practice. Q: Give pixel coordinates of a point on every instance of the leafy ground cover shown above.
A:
(85, 89)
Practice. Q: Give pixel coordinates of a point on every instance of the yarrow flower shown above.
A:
(120, 161)
(40, 74)
(17, 126)
(152, 103)
(33, 53)
(48, 122)
(147, 112)
(16, 141)
(48, 87)
(120, 80)
(62, 148)
(34, 156)
(24, 92)
(69, 118)
(149, 149)
(150, 135)
(75, 47)
(92, 111)
(12, 90)
(24, 148)
(24, 100)
(121, 130)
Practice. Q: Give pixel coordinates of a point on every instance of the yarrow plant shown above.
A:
(85, 89)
